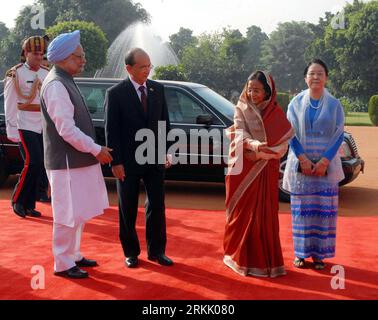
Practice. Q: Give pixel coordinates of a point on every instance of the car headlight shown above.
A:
(345, 151)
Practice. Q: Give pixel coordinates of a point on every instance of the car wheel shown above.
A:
(284, 195)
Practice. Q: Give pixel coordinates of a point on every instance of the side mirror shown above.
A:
(206, 119)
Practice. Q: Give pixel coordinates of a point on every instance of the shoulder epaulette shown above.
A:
(11, 73)
(44, 67)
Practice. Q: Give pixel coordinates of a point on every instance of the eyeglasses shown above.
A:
(80, 56)
(149, 67)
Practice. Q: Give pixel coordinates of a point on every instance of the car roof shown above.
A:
(191, 85)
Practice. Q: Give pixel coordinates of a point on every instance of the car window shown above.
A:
(94, 96)
(183, 108)
(1, 103)
(217, 101)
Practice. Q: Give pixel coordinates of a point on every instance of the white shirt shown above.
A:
(19, 119)
(136, 86)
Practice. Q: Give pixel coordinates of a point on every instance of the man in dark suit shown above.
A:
(136, 104)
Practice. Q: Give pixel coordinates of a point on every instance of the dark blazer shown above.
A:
(124, 116)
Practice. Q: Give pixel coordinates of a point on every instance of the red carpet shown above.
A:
(195, 244)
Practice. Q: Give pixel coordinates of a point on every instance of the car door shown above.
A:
(94, 96)
(198, 134)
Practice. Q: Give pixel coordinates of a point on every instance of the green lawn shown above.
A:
(358, 119)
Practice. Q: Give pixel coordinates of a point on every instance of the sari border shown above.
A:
(257, 272)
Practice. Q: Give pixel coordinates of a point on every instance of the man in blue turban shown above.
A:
(72, 157)
(63, 46)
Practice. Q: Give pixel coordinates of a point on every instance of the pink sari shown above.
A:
(251, 240)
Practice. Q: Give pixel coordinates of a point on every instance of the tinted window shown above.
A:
(1, 103)
(1, 97)
(183, 108)
(94, 96)
(217, 101)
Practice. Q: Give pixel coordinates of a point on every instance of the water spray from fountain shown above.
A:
(136, 35)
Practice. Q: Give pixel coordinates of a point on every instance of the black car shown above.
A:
(199, 117)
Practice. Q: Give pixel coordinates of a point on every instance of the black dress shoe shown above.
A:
(161, 259)
(131, 262)
(19, 210)
(73, 273)
(86, 263)
(32, 213)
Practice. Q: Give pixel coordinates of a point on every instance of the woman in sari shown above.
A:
(259, 138)
(313, 168)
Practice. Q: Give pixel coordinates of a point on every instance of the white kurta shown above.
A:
(77, 194)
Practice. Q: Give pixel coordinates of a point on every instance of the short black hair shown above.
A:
(130, 56)
(316, 61)
(260, 76)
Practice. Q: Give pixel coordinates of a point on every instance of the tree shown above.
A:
(201, 62)
(255, 41)
(284, 54)
(373, 110)
(357, 72)
(217, 61)
(4, 31)
(234, 70)
(4, 34)
(112, 16)
(10, 49)
(350, 51)
(92, 39)
(101, 12)
(170, 72)
(234, 44)
(318, 49)
(182, 39)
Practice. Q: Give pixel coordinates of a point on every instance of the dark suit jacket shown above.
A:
(124, 116)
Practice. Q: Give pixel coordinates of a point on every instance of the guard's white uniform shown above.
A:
(19, 119)
(24, 125)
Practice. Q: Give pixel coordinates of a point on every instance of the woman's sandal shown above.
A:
(299, 262)
(319, 264)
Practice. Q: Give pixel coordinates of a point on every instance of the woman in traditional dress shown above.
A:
(259, 138)
(313, 168)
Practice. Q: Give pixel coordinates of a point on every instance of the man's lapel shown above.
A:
(151, 96)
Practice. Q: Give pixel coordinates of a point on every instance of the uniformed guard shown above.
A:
(24, 121)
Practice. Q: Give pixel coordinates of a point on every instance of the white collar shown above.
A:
(28, 67)
(137, 85)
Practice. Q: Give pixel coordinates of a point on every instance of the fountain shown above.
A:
(136, 35)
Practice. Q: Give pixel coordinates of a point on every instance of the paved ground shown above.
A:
(359, 198)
